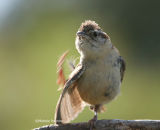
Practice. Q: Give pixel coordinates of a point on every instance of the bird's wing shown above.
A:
(61, 77)
(122, 67)
(70, 102)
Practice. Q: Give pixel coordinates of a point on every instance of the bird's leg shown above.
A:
(94, 119)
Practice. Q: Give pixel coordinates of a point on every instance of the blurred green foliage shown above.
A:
(33, 34)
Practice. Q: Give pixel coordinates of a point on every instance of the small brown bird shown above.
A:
(96, 80)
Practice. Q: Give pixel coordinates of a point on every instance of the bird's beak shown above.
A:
(79, 33)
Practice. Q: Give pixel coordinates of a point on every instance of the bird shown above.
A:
(95, 80)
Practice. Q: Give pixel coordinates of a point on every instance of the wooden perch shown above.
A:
(109, 125)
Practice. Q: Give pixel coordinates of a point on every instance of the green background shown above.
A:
(34, 34)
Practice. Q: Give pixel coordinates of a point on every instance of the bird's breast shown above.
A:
(100, 83)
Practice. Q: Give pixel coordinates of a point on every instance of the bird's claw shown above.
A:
(92, 122)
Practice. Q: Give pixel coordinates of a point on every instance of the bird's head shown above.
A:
(91, 40)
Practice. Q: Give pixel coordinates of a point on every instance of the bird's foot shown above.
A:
(92, 122)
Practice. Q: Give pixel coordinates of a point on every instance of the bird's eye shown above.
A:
(95, 34)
